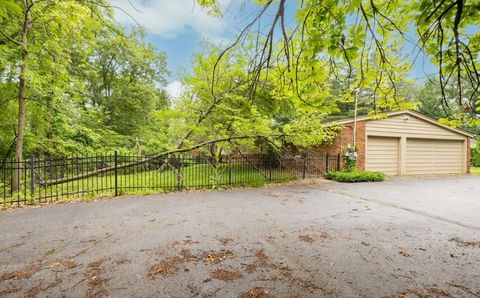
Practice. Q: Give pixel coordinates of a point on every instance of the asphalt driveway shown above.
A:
(400, 238)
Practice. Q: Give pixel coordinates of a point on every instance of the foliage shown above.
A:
(354, 176)
(359, 43)
(475, 156)
(90, 85)
(475, 171)
(350, 157)
(7, 6)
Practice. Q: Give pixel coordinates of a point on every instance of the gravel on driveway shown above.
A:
(404, 237)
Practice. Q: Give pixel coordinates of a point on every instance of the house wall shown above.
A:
(441, 144)
(343, 140)
(410, 127)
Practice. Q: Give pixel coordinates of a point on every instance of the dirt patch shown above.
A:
(405, 254)
(463, 243)
(216, 257)
(79, 253)
(10, 290)
(15, 245)
(69, 264)
(256, 292)
(189, 241)
(49, 252)
(122, 261)
(40, 288)
(427, 292)
(261, 261)
(306, 238)
(65, 263)
(94, 241)
(287, 273)
(25, 272)
(225, 275)
(96, 281)
(225, 241)
(170, 266)
(324, 236)
(165, 268)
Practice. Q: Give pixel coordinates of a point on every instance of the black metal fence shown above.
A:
(51, 179)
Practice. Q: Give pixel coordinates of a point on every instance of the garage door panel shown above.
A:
(382, 155)
(427, 156)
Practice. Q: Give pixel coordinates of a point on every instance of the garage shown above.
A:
(425, 156)
(402, 143)
(423, 146)
(383, 155)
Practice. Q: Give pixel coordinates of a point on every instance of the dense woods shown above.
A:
(74, 82)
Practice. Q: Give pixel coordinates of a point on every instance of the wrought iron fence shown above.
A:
(51, 179)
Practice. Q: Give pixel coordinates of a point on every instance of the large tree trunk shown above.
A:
(22, 87)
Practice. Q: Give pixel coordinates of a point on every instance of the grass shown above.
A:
(152, 181)
(475, 171)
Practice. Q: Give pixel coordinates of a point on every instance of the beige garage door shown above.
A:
(434, 156)
(382, 155)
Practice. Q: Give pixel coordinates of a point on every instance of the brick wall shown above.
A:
(343, 140)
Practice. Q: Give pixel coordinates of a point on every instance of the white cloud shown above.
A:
(170, 18)
(175, 89)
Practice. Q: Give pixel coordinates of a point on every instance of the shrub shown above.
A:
(355, 176)
(350, 158)
(475, 156)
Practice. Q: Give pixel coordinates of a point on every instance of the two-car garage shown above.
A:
(422, 156)
(410, 144)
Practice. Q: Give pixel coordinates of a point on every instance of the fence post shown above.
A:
(116, 172)
(270, 166)
(304, 166)
(32, 176)
(179, 173)
(338, 162)
(326, 164)
(229, 170)
(4, 180)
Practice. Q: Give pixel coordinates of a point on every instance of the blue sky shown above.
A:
(177, 27)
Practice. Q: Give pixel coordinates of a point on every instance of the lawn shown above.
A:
(475, 171)
(137, 181)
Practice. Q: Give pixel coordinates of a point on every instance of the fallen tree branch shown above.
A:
(147, 159)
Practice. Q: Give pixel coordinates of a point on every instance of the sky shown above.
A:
(177, 27)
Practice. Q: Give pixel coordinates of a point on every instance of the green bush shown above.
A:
(350, 160)
(475, 156)
(355, 176)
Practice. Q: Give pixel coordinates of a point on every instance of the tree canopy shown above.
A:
(358, 42)
(74, 81)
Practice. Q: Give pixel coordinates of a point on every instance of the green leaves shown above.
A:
(308, 130)
(9, 6)
(91, 85)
